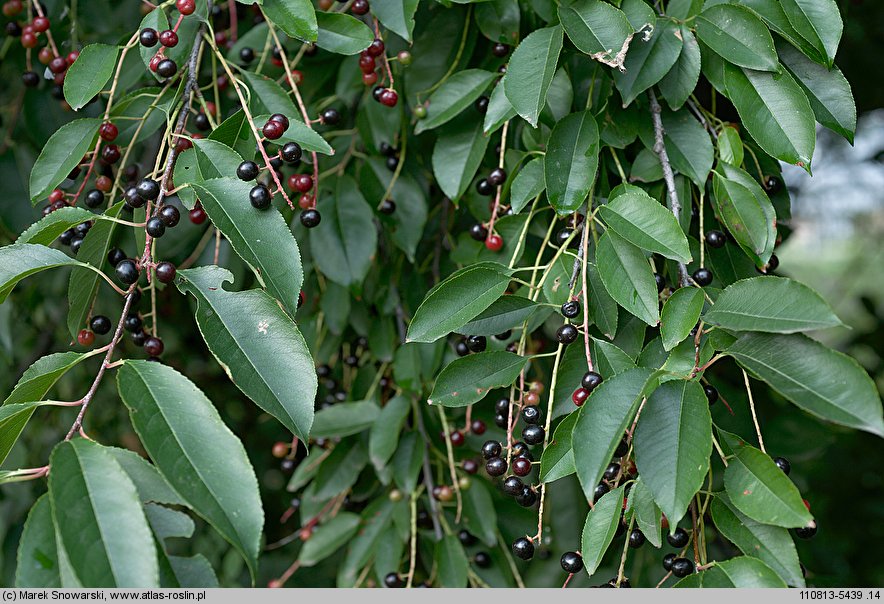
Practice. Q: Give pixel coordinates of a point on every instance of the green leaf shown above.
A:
(340, 470)
(257, 344)
(457, 300)
(47, 229)
(451, 562)
(648, 61)
(296, 18)
(406, 462)
(677, 85)
(342, 34)
(21, 260)
(13, 419)
(601, 422)
(499, 109)
(775, 112)
(148, 481)
(527, 184)
(738, 36)
(37, 379)
(680, 315)
(498, 20)
(688, 145)
(673, 441)
(261, 239)
(300, 133)
(643, 221)
(557, 460)
(730, 146)
(609, 358)
(480, 515)
(743, 572)
(89, 74)
(384, 435)
(600, 528)
(628, 277)
(375, 526)
(818, 22)
(37, 551)
(531, 69)
(759, 489)
(329, 538)
(457, 154)
(504, 313)
(184, 435)
(468, 379)
(95, 508)
(827, 91)
(746, 211)
(770, 544)
(344, 243)
(62, 153)
(571, 161)
(647, 515)
(452, 97)
(602, 307)
(397, 16)
(596, 28)
(821, 381)
(770, 304)
(344, 419)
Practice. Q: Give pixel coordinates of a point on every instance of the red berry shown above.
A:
(72, 56)
(360, 7)
(280, 450)
(154, 62)
(477, 427)
(579, 396)
(185, 7)
(45, 55)
(40, 24)
(56, 195)
(85, 338)
(273, 130)
(369, 79)
(12, 8)
(301, 182)
(456, 438)
(305, 202)
(108, 132)
(169, 38)
(376, 48)
(29, 40)
(389, 97)
(58, 65)
(521, 466)
(197, 215)
(494, 242)
(367, 64)
(104, 184)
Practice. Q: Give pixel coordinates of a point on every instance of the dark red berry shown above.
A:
(389, 97)
(153, 346)
(165, 272)
(273, 130)
(169, 39)
(185, 7)
(108, 132)
(360, 7)
(521, 466)
(197, 215)
(494, 243)
(85, 338)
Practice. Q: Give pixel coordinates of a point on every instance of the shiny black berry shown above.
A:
(513, 485)
(636, 538)
(310, 218)
(115, 256)
(246, 55)
(476, 343)
(495, 466)
(566, 334)
(668, 559)
(533, 435)
(478, 232)
(467, 538)
(94, 198)
(572, 562)
(148, 37)
(782, 463)
(599, 491)
(100, 324)
(167, 68)
(388, 207)
(248, 170)
(260, 197)
(523, 548)
(571, 309)
(461, 348)
(155, 227)
(527, 498)
(702, 277)
(682, 567)
(331, 117)
(590, 380)
(497, 177)
(133, 199)
(711, 393)
(612, 470)
(30, 79)
(169, 215)
(715, 239)
(483, 187)
(393, 580)
(127, 272)
(679, 538)
(482, 559)
(491, 449)
(531, 414)
(290, 153)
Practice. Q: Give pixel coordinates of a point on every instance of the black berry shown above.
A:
(599, 491)
(497, 177)
(127, 272)
(148, 37)
(291, 153)
(572, 562)
(331, 116)
(388, 207)
(482, 559)
(170, 215)
(477, 343)
(715, 239)
(478, 232)
(483, 187)
(636, 538)
(393, 580)
(167, 68)
(668, 559)
(531, 414)
(94, 198)
(782, 463)
(155, 227)
(523, 548)
(100, 324)
(682, 567)
(165, 272)
(702, 277)
(310, 218)
(679, 538)
(495, 466)
(571, 309)
(491, 449)
(566, 334)
(115, 256)
(261, 198)
(533, 435)
(711, 393)
(513, 485)
(248, 170)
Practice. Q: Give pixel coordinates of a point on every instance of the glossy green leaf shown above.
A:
(268, 96)
(648, 516)
(340, 470)
(21, 260)
(384, 435)
(37, 551)
(452, 97)
(261, 239)
(257, 344)
(609, 359)
(730, 146)
(688, 146)
(89, 74)
(746, 211)
(743, 572)
(818, 22)
(457, 300)
(827, 91)
(601, 422)
(771, 544)
(451, 562)
(602, 307)
(37, 379)
(648, 61)
(61, 154)
(296, 18)
(531, 69)
(775, 112)
(677, 85)
(397, 16)
(528, 183)
(480, 515)
(406, 462)
(344, 419)
(411, 208)
(673, 441)
(775, 17)
(344, 243)
(571, 161)
(184, 435)
(680, 315)
(644, 222)
(457, 154)
(374, 530)
(821, 381)
(47, 229)
(13, 419)
(95, 508)
(504, 313)
(759, 489)
(328, 538)
(342, 34)
(499, 20)
(596, 28)
(628, 277)
(468, 379)
(770, 304)
(500, 109)
(738, 36)
(148, 481)
(557, 460)
(600, 528)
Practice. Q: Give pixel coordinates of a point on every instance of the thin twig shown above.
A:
(752, 408)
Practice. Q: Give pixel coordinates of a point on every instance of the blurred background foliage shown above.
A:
(838, 224)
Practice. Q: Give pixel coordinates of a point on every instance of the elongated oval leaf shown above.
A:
(37, 379)
(468, 379)
(557, 460)
(818, 22)
(37, 551)
(21, 260)
(821, 381)
(257, 344)
(384, 435)
(397, 16)
(297, 18)
(328, 538)
(499, 109)
(451, 561)
(47, 229)
(89, 73)
(344, 419)
(680, 315)
(13, 419)
(504, 313)
(648, 61)
(746, 211)
(744, 572)
(342, 34)
(673, 441)
(628, 277)
(770, 304)
(457, 155)
(596, 27)
(95, 508)
(646, 513)
(644, 222)
(571, 161)
(457, 299)
(759, 489)
(531, 70)
(452, 97)
(738, 36)
(677, 85)
(61, 154)
(262, 239)
(184, 435)
(600, 528)
(528, 184)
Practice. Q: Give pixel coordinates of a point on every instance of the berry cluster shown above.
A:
(149, 37)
